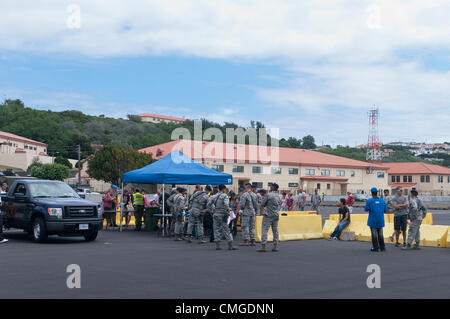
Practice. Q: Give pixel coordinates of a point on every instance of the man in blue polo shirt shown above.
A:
(376, 207)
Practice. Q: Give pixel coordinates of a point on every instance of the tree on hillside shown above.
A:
(111, 162)
(134, 118)
(63, 161)
(35, 162)
(56, 172)
(308, 142)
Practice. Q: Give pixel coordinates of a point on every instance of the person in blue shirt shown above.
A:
(376, 207)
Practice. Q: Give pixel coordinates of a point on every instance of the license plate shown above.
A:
(84, 226)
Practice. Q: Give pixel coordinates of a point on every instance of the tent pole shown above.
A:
(163, 210)
(121, 208)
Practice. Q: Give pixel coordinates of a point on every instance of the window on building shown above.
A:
(318, 186)
(440, 179)
(340, 172)
(409, 179)
(218, 168)
(257, 184)
(427, 178)
(310, 171)
(238, 169)
(380, 174)
(398, 179)
(352, 173)
(276, 170)
(422, 178)
(325, 172)
(293, 184)
(256, 169)
(405, 179)
(393, 179)
(328, 186)
(293, 171)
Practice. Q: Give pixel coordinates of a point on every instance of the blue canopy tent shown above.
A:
(175, 168)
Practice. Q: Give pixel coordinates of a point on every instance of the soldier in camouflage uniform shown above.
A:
(171, 207)
(417, 211)
(249, 206)
(197, 208)
(272, 204)
(219, 205)
(179, 204)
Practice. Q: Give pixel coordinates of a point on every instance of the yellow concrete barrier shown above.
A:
(448, 238)
(295, 227)
(428, 220)
(433, 235)
(132, 221)
(298, 213)
(328, 227)
(388, 218)
(430, 235)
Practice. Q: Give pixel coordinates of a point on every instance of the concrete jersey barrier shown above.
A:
(294, 227)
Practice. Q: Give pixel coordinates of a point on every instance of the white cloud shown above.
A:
(224, 28)
(336, 55)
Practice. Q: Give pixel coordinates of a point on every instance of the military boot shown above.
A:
(178, 237)
(263, 248)
(416, 246)
(275, 247)
(201, 241)
(231, 247)
(189, 240)
(252, 242)
(407, 247)
(218, 245)
(244, 243)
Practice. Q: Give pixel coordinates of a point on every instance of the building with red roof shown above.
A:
(291, 168)
(157, 118)
(427, 179)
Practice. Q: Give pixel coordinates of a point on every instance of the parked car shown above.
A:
(82, 192)
(44, 208)
(361, 197)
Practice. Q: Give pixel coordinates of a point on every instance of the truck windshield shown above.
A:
(53, 190)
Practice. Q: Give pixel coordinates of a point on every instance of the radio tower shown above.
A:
(374, 154)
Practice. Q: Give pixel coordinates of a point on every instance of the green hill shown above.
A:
(63, 131)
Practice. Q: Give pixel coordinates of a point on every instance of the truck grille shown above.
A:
(80, 211)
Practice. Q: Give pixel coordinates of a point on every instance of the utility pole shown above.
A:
(79, 165)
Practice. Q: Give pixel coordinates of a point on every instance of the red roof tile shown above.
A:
(416, 168)
(227, 152)
(18, 138)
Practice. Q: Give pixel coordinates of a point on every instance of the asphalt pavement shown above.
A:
(144, 265)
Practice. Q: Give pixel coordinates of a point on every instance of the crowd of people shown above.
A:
(404, 209)
(213, 212)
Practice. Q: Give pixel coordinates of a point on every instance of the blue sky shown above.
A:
(302, 67)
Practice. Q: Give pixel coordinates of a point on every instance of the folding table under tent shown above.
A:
(175, 168)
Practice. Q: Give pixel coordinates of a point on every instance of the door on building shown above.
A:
(343, 189)
(242, 182)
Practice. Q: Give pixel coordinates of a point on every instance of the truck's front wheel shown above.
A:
(39, 230)
(91, 236)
